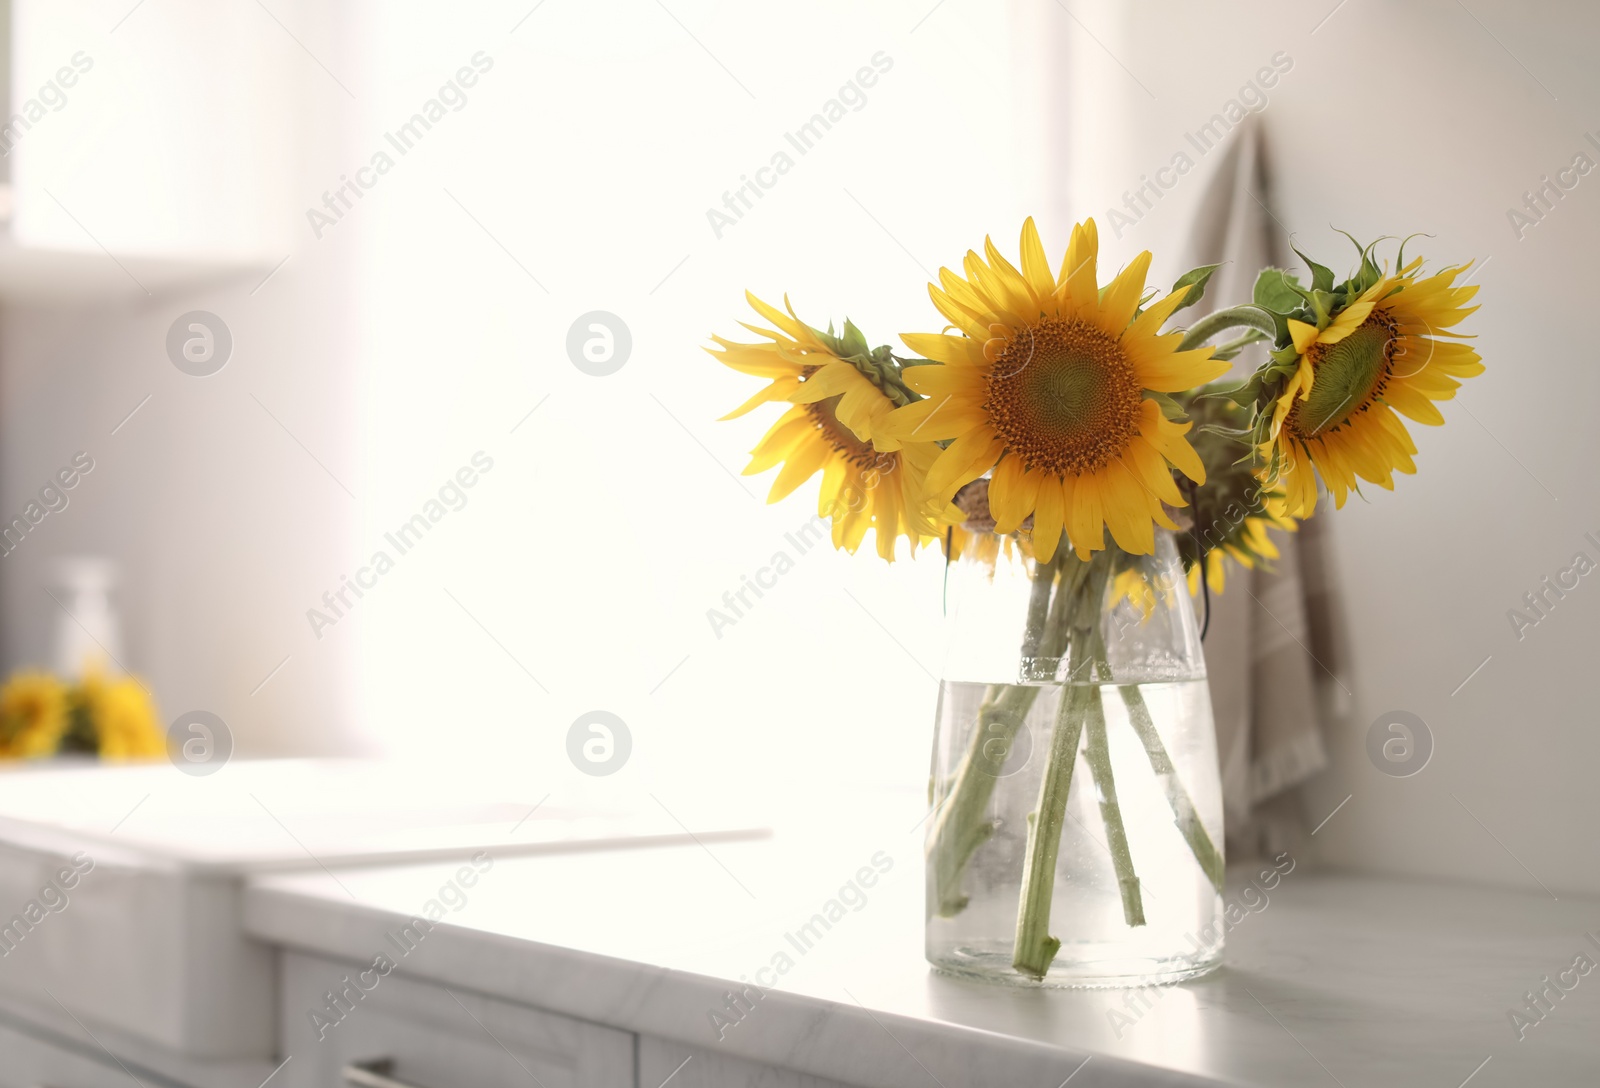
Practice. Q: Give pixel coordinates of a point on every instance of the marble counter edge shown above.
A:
(831, 1039)
(46, 841)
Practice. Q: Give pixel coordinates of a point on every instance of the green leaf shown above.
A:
(1237, 434)
(1400, 260)
(1169, 407)
(1325, 303)
(1321, 275)
(829, 340)
(1370, 272)
(1232, 348)
(1285, 361)
(855, 343)
(1280, 294)
(1196, 278)
(1278, 291)
(1245, 395)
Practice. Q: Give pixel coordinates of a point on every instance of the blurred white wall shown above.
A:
(577, 177)
(187, 144)
(573, 173)
(1396, 118)
(418, 322)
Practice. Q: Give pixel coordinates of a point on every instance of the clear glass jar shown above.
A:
(1076, 837)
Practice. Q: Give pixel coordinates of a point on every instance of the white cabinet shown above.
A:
(42, 1044)
(188, 981)
(431, 1036)
(151, 146)
(26, 1062)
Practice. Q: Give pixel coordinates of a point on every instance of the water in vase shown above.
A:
(973, 908)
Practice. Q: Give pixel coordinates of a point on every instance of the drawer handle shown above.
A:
(372, 1074)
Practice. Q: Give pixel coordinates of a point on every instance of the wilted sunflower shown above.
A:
(835, 411)
(1230, 516)
(33, 716)
(1352, 360)
(974, 536)
(1233, 512)
(1047, 382)
(1240, 537)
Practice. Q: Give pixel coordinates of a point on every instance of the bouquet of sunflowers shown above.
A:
(1068, 421)
(114, 718)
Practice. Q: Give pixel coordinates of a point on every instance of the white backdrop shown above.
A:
(1395, 118)
(430, 320)
(578, 178)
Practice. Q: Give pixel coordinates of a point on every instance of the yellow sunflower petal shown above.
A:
(1047, 520)
(1035, 265)
(956, 351)
(781, 389)
(1123, 295)
(967, 458)
(1303, 335)
(1077, 276)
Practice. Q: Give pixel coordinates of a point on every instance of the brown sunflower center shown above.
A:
(1347, 377)
(843, 439)
(1065, 398)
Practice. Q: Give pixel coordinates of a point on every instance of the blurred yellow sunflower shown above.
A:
(1359, 368)
(1045, 383)
(1246, 543)
(835, 412)
(125, 721)
(1132, 585)
(33, 716)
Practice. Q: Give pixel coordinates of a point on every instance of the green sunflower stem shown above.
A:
(960, 827)
(1183, 812)
(1044, 576)
(1097, 753)
(1233, 317)
(1035, 948)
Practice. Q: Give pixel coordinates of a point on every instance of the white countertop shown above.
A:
(1337, 980)
(290, 814)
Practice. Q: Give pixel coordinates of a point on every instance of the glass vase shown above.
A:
(1076, 829)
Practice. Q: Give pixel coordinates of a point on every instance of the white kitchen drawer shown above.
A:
(696, 1067)
(436, 1037)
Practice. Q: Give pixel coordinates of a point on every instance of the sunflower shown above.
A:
(1363, 354)
(125, 721)
(1134, 586)
(1246, 542)
(1230, 516)
(975, 536)
(839, 392)
(1055, 387)
(1234, 511)
(33, 716)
